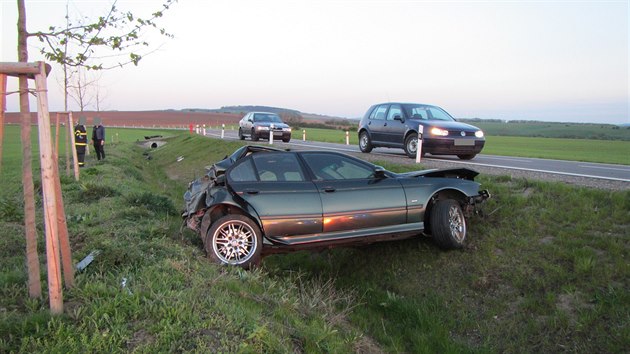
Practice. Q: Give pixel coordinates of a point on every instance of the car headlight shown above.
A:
(262, 128)
(439, 131)
(286, 129)
(479, 133)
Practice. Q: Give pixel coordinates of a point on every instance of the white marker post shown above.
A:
(222, 130)
(347, 138)
(271, 134)
(419, 144)
(303, 134)
(204, 130)
(197, 129)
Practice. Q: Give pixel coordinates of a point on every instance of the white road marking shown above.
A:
(606, 168)
(465, 162)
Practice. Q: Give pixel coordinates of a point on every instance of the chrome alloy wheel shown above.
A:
(363, 143)
(457, 223)
(234, 242)
(412, 145)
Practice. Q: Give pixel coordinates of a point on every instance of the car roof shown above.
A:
(422, 104)
(257, 112)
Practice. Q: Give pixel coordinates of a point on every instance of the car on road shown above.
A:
(396, 125)
(262, 200)
(258, 125)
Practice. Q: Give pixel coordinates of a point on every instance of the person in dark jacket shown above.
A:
(98, 138)
(80, 140)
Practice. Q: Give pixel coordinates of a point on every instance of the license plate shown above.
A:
(464, 142)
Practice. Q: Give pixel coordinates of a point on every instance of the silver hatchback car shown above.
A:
(258, 125)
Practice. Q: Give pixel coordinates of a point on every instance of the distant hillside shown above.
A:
(245, 109)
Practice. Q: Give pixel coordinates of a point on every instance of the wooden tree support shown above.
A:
(54, 214)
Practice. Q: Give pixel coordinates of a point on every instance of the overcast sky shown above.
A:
(538, 60)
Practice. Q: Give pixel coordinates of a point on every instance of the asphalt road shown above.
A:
(559, 167)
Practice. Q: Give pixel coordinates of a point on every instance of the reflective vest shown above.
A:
(80, 135)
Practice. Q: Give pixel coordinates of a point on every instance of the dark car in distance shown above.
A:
(258, 125)
(396, 125)
(262, 200)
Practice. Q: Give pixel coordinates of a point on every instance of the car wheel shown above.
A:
(448, 224)
(286, 140)
(234, 240)
(467, 157)
(411, 145)
(254, 136)
(365, 144)
(240, 134)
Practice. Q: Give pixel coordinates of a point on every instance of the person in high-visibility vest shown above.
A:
(80, 140)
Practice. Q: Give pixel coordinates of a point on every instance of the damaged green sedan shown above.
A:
(262, 200)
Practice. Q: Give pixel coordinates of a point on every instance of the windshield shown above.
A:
(424, 112)
(270, 118)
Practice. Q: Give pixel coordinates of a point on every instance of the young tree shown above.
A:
(117, 31)
(89, 43)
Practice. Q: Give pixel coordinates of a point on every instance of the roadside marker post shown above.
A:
(204, 130)
(271, 134)
(303, 134)
(222, 130)
(419, 145)
(347, 138)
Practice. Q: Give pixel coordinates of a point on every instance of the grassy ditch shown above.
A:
(546, 269)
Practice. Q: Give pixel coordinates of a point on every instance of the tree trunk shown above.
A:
(32, 259)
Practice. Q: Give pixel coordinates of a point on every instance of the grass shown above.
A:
(555, 130)
(602, 151)
(588, 150)
(545, 270)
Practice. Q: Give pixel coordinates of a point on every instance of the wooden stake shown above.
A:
(64, 241)
(50, 195)
(56, 142)
(70, 132)
(75, 158)
(3, 107)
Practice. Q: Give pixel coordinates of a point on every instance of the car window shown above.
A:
(243, 172)
(417, 112)
(282, 167)
(394, 110)
(379, 112)
(336, 167)
(438, 114)
(268, 118)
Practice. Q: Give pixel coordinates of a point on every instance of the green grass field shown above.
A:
(545, 270)
(555, 130)
(602, 151)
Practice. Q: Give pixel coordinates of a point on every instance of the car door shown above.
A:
(352, 197)
(377, 123)
(275, 186)
(394, 127)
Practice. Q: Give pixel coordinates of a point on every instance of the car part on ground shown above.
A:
(262, 200)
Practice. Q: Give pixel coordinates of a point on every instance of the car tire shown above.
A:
(448, 224)
(365, 143)
(254, 136)
(467, 157)
(234, 240)
(240, 134)
(286, 140)
(411, 145)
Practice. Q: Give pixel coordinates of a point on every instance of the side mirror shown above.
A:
(379, 172)
(398, 117)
